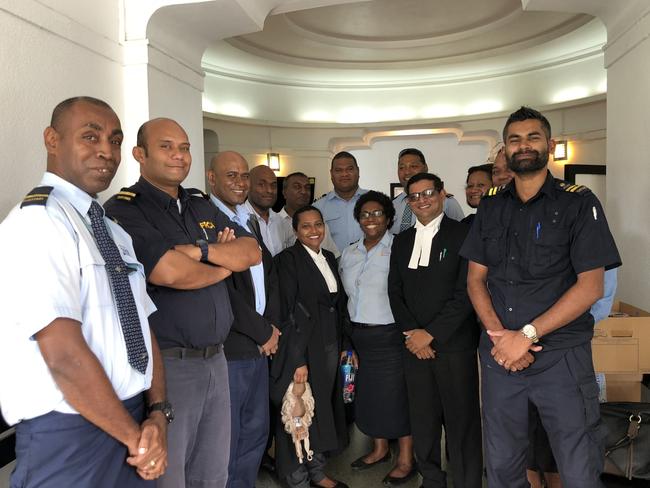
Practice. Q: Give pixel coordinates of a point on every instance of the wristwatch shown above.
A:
(165, 407)
(203, 245)
(530, 332)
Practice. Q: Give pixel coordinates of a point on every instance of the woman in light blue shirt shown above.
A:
(381, 405)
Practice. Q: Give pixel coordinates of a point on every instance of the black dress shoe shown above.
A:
(361, 465)
(339, 484)
(392, 481)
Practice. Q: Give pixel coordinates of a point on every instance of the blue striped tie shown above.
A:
(119, 278)
(406, 218)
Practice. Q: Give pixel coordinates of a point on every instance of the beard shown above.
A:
(523, 166)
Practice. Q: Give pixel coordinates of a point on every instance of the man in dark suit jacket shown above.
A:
(254, 296)
(427, 287)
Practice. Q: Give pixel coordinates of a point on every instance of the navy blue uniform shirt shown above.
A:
(535, 250)
(185, 318)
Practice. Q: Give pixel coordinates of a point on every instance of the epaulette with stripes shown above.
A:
(494, 191)
(126, 194)
(38, 196)
(195, 192)
(571, 188)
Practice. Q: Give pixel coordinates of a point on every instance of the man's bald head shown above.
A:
(144, 130)
(64, 107)
(228, 178)
(263, 191)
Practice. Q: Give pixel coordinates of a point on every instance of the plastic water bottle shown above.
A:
(348, 372)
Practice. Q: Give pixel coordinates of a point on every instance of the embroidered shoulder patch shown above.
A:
(38, 196)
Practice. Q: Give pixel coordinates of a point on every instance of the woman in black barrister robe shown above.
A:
(313, 315)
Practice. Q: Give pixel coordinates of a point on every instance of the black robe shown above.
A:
(311, 316)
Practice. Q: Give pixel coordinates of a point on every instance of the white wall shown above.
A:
(445, 157)
(45, 60)
(628, 182)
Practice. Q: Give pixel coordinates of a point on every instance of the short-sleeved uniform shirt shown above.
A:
(535, 250)
(53, 269)
(339, 217)
(185, 318)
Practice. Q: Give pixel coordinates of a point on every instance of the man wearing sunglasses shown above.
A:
(427, 288)
(410, 162)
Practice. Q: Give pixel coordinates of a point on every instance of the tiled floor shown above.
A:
(339, 468)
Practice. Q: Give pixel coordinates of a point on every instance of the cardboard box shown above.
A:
(621, 344)
(624, 388)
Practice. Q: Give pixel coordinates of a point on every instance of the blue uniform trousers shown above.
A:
(59, 450)
(566, 396)
(249, 413)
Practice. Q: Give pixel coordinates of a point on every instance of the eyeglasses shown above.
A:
(375, 213)
(428, 193)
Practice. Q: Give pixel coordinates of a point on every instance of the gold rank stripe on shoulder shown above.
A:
(125, 195)
(494, 190)
(575, 188)
(38, 196)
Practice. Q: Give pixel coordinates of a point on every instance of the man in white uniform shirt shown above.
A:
(76, 352)
(262, 194)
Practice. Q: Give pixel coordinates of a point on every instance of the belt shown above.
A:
(187, 353)
(368, 326)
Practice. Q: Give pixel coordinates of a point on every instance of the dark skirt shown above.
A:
(381, 402)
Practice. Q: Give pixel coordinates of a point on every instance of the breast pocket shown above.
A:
(550, 253)
(493, 246)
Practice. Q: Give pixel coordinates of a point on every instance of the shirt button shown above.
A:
(521, 209)
(332, 309)
(512, 258)
(510, 282)
(556, 212)
(516, 234)
(510, 309)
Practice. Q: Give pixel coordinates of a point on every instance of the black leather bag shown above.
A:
(627, 450)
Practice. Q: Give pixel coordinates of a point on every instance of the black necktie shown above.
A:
(119, 278)
(254, 226)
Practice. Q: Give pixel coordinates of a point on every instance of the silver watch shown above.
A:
(530, 332)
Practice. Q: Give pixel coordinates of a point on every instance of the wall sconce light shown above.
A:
(561, 152)
(273, 161)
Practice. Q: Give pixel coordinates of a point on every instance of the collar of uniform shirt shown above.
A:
(424, 234)
(240, 215)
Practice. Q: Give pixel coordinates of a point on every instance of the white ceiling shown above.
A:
(407, 60)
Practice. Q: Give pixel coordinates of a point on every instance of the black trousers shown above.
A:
(566, 397)
(446, 387)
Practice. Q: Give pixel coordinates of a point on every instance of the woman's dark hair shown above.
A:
(381, 199)
(302, 210)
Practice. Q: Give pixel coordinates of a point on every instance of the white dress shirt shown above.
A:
(53, 269)
(272, 231)
(424, 234)
(324, 268)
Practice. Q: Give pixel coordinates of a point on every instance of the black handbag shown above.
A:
(627, 451)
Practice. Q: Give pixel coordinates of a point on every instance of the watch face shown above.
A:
(169, 413)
